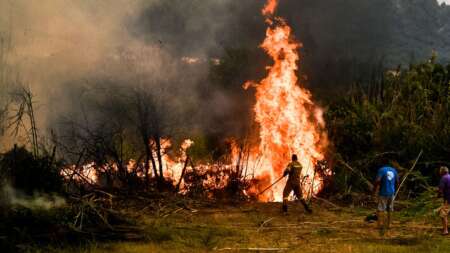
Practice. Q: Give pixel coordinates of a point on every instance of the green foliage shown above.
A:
(408, 113)
(426, 206)
(159, 234)
(191, 236)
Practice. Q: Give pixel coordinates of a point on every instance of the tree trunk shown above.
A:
(152, 159)
(159, 156)
(149, 158)
(183, 172)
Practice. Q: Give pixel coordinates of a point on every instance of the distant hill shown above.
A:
(423, 26)
(398, 31)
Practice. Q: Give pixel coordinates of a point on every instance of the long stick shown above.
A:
(369, 184)
(407, 174)
(326, 201)
(270, 186)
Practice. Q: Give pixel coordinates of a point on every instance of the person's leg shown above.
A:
(286, 191)
(390, 210)
(388, 220)
(380, 211)
(306, 206)
(285, 206)
(445, 224)
(299, 194)
(444, 216)
(380, 215)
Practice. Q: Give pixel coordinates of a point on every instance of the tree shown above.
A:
(147, 119)
(22, 99)
(410, 114)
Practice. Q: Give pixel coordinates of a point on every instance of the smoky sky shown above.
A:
(343, 40)
(338, 28)
(192, 27)
(63, 49)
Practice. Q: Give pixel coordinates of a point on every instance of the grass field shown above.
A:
(261, 227)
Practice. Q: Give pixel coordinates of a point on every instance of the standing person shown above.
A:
(294, 171)
(444, 190)
(386, 184)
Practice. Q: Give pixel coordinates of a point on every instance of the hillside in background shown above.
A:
(349, 42)
(423, 26)
(344, 41)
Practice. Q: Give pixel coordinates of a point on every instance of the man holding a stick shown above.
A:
(386, 183)
(444, 190)
(293, 170)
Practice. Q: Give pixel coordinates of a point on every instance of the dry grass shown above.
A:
(261, 225)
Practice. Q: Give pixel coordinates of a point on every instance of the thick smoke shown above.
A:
(66, 49)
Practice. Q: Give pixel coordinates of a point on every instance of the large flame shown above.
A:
(289, 121)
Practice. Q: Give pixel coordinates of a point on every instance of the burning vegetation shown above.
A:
(134, 137)
(287, 122)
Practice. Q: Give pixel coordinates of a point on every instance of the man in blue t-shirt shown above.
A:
(386, 184)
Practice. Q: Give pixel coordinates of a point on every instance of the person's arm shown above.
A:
(287, 170)
(376, 184)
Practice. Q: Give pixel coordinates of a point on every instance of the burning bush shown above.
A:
(215, 181)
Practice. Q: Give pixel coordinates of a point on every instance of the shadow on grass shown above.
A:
(400, 241)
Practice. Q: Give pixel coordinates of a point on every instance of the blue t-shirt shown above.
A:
(388, 177)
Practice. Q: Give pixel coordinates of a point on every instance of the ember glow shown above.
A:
(289, 121)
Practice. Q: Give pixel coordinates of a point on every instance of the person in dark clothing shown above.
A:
(294, 171)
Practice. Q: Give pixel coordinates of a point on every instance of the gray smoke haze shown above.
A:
(13, 197)
(64, 49)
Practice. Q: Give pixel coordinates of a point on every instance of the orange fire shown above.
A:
(174, 167)
(270, 7)
(289, 121)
